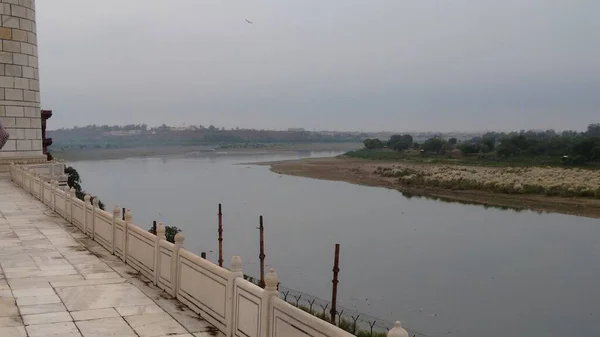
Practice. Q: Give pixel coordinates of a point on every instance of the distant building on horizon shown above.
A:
(296, 129)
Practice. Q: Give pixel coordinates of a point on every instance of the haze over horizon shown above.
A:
(391, 65)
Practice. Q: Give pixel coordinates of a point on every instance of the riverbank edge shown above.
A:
(350, 170)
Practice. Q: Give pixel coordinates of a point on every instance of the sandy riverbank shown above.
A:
(362, 172)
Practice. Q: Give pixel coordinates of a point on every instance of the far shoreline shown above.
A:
(197, 150)
(360, 172)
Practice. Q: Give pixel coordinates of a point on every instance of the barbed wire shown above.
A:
(351, 320)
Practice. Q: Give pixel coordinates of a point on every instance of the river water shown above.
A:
(444, 269)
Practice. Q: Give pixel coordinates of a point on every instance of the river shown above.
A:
(444, 269)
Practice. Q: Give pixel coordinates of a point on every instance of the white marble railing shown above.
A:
(221, 296)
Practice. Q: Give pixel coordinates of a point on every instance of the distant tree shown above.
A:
(400, 142)
(452, 141)
(593, 130)
(469, 148)
(596, 153)
(586, 148)
(570, 133)
(372, 144)
(489, 145)
(434, 145)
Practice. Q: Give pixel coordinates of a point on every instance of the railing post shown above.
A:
(30, 185)
(397, 331)
(41, 194)
(66, 205)
(51, 202)
(235, 267)
(95, 204)
(128, 219)
(86, 203)
(179, 239)
(271, 284)
(116, 214)
(160, 235)
(54, 188)
(66, 190)
(71, 196)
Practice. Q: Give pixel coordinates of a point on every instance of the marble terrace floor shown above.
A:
(54, 281)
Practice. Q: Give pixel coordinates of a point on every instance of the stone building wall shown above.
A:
(19, 82)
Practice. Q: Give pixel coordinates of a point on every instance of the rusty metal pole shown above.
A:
(123, 214)
(336, 270)
(203, 255)
(262, 253)
(154, 227)
(220, 237)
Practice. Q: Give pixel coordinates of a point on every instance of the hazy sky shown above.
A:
(334, 64)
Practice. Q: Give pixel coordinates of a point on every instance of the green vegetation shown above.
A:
(521, 148)
(170, 232)
(74, 181)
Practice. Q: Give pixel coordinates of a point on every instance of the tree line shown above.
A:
(572, 147)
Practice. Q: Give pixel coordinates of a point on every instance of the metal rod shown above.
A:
(220, 237)
(336, 270)
(262, 253)
(203, 255)
(154, 227)
(123, 214)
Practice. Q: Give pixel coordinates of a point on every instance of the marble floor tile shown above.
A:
(54, 317)
(39, 282)
(17, 284)
(86, 315)
(11, 321)
(13, 331)
(79, 283)
(10, 271)
(41, 308)
(102, 296)
(96, 268)
(8, 307)
(139, 310)
(102, 276)
(64, 329)
(33, 300)
(33, 292)
(40, 273)
(105, 327)
(154, 325)
(6, 293)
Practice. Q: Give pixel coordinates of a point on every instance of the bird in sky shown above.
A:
(250, 22)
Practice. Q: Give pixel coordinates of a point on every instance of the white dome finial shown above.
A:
(397, 331)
